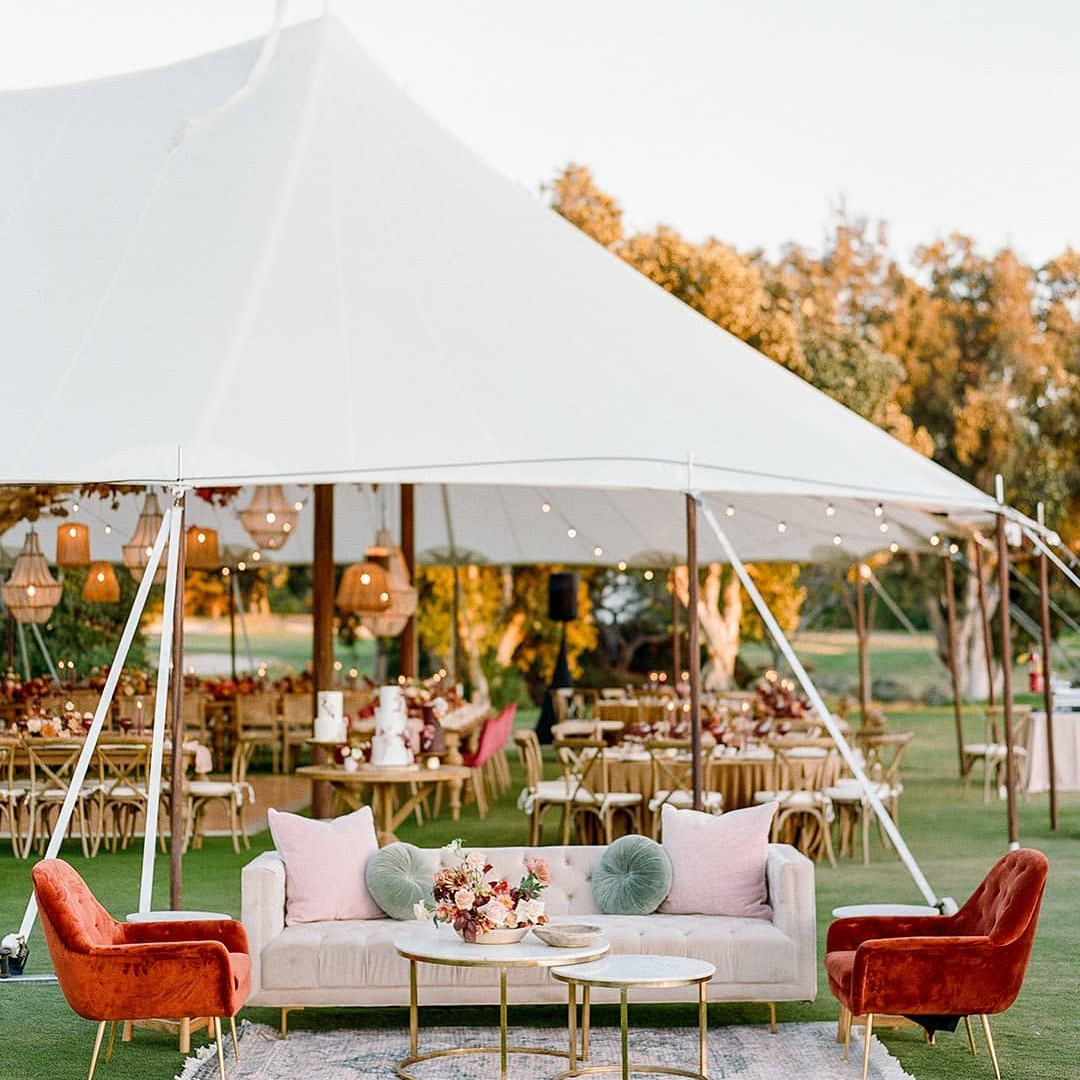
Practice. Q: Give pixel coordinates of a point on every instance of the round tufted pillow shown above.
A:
(399, 876)
(632, 877)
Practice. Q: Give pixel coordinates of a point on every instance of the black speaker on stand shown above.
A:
(562, 607)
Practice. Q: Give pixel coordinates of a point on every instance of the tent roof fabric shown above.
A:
(317, 283)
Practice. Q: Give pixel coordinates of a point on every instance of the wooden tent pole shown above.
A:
(408, 657)
(694, 646)
(322, 639)
(950, 620)
(676, 633)
(988, 641)
(863, 644)
(1006, 672)
(1048, 693)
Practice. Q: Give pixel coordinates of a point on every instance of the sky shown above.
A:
(749, 120)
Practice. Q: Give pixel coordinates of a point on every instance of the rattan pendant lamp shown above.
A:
(270, 519)
(31, 592)
(101, 585)
(137, 552)
(390, 620)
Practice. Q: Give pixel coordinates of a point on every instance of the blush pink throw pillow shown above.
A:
(718, 861)
(324, 865)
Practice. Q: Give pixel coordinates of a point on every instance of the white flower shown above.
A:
(496, 911)
(476, 859)
(528, 911)
(420, 911)
(464, 899)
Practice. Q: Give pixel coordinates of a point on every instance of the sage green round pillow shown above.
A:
(399, 876)
(632, 877)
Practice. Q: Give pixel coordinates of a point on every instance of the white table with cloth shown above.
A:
(1066, 753)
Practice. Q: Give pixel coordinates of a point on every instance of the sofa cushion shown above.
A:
(718, 861)
(399, 876)
(324, 865)
(632, 877)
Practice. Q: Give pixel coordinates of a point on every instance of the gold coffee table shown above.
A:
(625, 973)
(428, 945)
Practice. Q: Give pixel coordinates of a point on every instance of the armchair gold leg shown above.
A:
(220, 1049)
(970, 1035)
(866, 1045)
(990, 1044)
(772, 1016)
(235, 1040)
(97, 1048)
(112, 1039)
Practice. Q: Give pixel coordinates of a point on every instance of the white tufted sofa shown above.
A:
(353, 962)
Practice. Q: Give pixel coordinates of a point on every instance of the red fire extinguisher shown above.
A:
(1035, 673)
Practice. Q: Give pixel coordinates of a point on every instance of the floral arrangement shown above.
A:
(776, 699)
(473, 905)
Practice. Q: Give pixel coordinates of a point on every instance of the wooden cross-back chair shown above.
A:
(671, 768)
(585, 768)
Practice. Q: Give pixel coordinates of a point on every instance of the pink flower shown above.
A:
(539, 869)
(464, 899)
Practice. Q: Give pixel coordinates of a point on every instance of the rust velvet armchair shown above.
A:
(937, 970)
(110, 970)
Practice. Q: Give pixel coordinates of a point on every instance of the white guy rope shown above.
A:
(869, 792)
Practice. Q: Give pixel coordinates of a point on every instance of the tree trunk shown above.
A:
(971, 667)
(513, 634)
(719, 613)
(470, 636)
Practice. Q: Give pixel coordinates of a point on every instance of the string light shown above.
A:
(781, 526)
(225, 571)
(648, 575)
(571, 532)
(879, 510)
(546, 507)
(954, 548)
(830, 510)
(729, 510)
(256, 556)
(74, 508)
(894, 547)
(108, 530)
(864, 571)
(241, 565)
(884, 526)
(298, 505)
(598, 551)
(935, 540)
(837, 539)
(621, 566)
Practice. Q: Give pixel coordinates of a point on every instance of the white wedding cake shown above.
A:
(330, 723)
(390, 744)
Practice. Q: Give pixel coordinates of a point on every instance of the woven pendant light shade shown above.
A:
(364, 588)
(101, 585)
(202, 549)
(137, 552)
(403, 597)
(31, 592)
(72, 546)
(270, 518)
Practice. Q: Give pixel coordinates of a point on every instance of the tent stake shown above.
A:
(950, 621)
(694, 646)
(1048, 691)
(1006, 673)
(827, 718)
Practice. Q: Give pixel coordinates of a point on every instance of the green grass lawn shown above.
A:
(955, 842)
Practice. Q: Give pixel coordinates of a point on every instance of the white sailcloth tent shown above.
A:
(267, 264)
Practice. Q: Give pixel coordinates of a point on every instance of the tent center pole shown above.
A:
(950, 621)
(1048, 690)
(1006, 674)
(322, 631)
(176, 770)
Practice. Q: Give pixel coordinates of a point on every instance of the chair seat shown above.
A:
(850, 791)
(12, 793)
(551, 792)
(711, 800)
(220, 789)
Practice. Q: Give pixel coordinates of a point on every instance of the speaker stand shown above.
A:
(561, 679)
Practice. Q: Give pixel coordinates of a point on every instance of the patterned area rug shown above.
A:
(807, 1051)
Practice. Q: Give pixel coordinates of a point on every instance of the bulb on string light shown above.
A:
(879, 510)
(729, 510)
(546, 507)
(954, 548)
(837, 539)
(598, 551)
(571, 532)
(241, 565)
(894, 547)
(864, 571)
(74, 508)
(884, 526)
(298, 506)
(621, 566)
(935, 540)
(256, 556)
(648, 575)
(225, 571)
(108, 530)
(781, 526)
(830, 510)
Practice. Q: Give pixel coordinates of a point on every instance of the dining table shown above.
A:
(1066, 753)
(392, 791)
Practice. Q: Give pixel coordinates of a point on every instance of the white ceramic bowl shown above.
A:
(568, 935)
